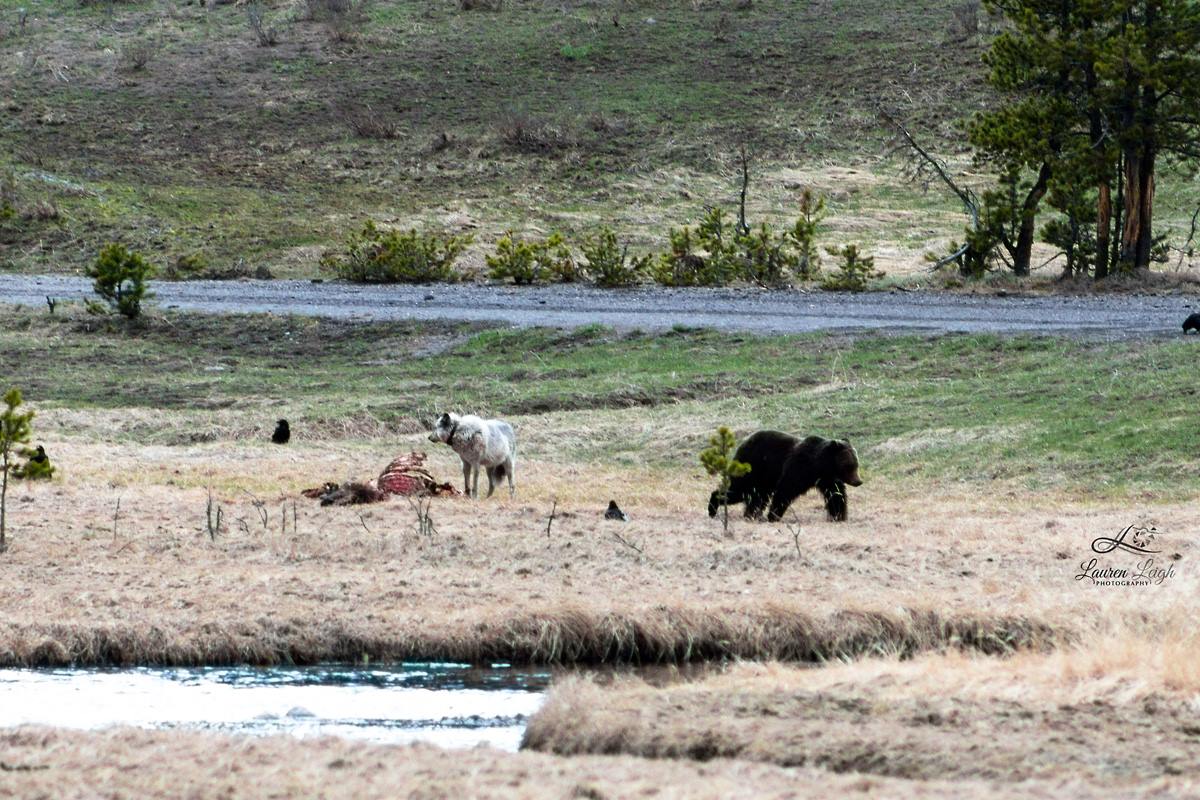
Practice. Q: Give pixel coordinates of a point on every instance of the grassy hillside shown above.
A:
(536, 115)
(168, 126)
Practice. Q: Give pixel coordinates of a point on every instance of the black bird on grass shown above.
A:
(1192, 323)
(282, 432)
(38, 466)
(614, 512)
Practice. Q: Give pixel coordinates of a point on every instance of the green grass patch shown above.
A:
(1032, 413)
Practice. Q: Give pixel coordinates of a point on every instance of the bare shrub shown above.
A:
(7, 30)
(424, 527)
(344, 19)
(314, 10)
(723, 30)
(599, 122)
(214, 516)
(530, 134)
(41, 211)
(8, 194)
(135, 55)
(368, 123)
(188, 266)
(31, 59)
(964, 21)
(268, 36)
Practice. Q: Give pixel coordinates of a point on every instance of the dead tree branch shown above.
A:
(743, 227)
(1186, 250)
(926, 162)
(116, 516)
(639, 549)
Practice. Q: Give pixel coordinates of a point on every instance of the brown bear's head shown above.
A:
(844, 459)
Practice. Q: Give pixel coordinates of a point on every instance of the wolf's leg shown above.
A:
(467, 477)
(491, 473)
(475, 484)
(508, 469)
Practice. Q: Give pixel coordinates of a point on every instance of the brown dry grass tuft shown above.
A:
(130, 763)
(1087, 711)
(560, 634)
(339, 583)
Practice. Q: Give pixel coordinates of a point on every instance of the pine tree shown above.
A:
(15, 430)
(1036, 66)
(1148, 80)
(718, 460)
(120, 278)
(1096, 92)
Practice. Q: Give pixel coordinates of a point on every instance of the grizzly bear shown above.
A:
(783, 467)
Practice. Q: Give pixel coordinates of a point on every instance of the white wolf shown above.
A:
(490, 443)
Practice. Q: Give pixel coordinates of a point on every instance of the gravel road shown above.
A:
(746, 310)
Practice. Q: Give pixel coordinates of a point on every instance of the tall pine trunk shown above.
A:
(1118, 210)
(1096, 133)
(3, 499)
(1103, 225)
(1137, 233)
(1141, 108)
(1022, 253)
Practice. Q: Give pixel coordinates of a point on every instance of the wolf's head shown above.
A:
(444, 429)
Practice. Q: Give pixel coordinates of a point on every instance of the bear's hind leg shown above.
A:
(782, 499)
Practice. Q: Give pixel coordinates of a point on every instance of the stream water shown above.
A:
(451, 705)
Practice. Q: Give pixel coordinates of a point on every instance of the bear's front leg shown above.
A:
(756, 501)
(835, 499)
(732, 498)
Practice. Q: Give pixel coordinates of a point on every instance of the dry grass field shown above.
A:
(88, 583)
(1119, 711)
(126, 764)
(938, 644)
